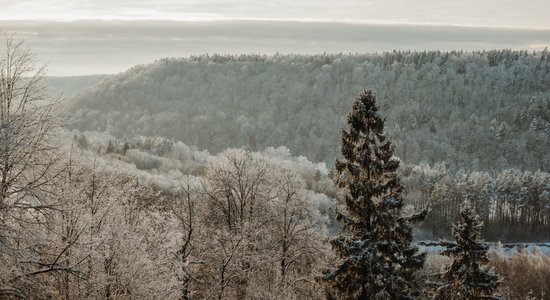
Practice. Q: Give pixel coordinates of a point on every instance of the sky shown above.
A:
(77, 37)
(499, 13)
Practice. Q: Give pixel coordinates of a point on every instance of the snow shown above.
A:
(506, 248)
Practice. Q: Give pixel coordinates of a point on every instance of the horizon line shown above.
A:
(274, 20)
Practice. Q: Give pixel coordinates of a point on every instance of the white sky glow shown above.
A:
(486, 13)
(108, 36)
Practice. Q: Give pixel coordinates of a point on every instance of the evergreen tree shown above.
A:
(125, 148)
(467, 277)
(378, 260)
(110, 147)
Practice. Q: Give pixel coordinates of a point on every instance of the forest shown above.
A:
(473, 124)
(454, 107)
(243, 177)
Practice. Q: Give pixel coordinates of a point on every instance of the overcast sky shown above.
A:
(500, 13)
(77, 37)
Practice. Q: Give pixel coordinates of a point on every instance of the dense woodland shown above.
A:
(76, 225)
(180, 180)
(461, 108)
(473, 124)
(514, 204)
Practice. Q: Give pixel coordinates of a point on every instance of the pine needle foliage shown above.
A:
(467, 277)
(378, 259)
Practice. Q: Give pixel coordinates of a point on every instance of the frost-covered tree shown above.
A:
(185, 208)
(239, 193)
(260, 235)
(467, 277)
(29, 161)
(295, 235)
(378, 260)
(27, 121)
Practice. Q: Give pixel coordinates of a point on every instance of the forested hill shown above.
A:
(476, 110)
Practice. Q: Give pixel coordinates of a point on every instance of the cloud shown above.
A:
(500, 13)
(114, 46)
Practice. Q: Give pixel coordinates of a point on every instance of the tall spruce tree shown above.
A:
(467, 277)
(378, 260)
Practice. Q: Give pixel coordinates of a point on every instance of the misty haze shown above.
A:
(275, 150)
(98, 47)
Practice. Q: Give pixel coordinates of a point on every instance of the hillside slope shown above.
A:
(478, 110)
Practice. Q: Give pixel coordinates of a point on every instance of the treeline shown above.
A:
(476, 110)
(514, 205)
(159, 156)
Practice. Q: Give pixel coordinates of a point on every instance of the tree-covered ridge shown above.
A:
(458, 107)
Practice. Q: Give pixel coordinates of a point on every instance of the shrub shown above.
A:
(526, 274)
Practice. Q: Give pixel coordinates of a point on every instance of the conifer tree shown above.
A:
(467, 277)
(378, 260)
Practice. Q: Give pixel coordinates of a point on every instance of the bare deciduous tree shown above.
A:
(185, 208)
(295, 235)
(28, 164)
(27, 121)
(261, 230)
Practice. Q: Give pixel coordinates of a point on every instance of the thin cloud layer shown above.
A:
(113, 46)
(495, 13)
